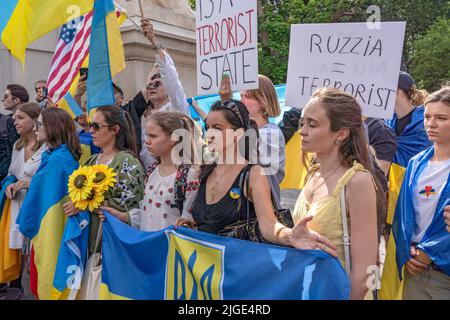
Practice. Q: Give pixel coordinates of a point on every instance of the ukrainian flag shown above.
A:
(72, 258)
(42, 219)
(294, 179)
(23, 21)
(9, 258)
(186, 264)
(412, 141)
(106, 57)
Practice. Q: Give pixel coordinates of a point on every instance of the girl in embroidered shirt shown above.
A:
(171, 184)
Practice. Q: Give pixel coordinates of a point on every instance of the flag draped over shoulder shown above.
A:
(72, 257)
(185, 264)
(106, 57)
(412, 141)
(42, 219)
(436, 241)
(9, 258)
(23, 21)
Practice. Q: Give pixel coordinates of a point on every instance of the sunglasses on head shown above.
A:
(97, 126)
(230, 105)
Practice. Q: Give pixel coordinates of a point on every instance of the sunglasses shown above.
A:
(154, 85)
(38, 125)
(97, 126)
(230, 105)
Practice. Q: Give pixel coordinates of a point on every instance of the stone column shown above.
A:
(174, 25)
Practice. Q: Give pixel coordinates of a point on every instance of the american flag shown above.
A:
(71, 50)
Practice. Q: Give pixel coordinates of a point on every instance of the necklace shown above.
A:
(214, 187)
(324, 180)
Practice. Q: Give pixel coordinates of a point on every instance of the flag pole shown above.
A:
(134, 22)
(140, 9)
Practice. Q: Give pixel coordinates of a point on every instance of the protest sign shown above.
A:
(227, 43)
(349, 56)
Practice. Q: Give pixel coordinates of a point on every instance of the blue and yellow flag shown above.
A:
(106, 57)
(185, 264)
(23, 21)
(72, 257)
(436, 241)
(42, 218)
(9, 258)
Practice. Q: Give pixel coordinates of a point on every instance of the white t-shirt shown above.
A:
(155, 211)
(426, 195)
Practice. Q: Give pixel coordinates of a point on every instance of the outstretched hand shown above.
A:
(305, 239)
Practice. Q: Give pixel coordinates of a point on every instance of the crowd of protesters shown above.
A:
(241, 158)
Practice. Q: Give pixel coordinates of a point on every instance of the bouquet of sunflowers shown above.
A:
(88, 185)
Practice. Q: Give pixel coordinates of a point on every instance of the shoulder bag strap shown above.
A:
(275, 200)
(346, 236)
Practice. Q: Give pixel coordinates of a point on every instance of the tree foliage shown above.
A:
(276, 17)
(431, 58)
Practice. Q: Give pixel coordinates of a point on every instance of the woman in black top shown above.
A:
(222, 197)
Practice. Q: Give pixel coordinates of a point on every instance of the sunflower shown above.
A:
(104, 177)
(81, 183)
(92, 202)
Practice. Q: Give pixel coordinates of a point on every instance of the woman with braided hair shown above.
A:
(332, 129)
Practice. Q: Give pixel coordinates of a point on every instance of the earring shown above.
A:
(337, 142)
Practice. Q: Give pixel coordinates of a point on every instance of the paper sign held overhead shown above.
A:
(349, 56)
(227, 43)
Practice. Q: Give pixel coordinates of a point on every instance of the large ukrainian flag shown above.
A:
(185, 264)
(411, 142)
(106, 57)
(9, 258)
(23, 21)
(42, 219)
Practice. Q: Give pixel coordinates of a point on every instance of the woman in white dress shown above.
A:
(26, 158)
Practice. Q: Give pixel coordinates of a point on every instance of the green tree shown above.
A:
(431, 58)
(276, 17)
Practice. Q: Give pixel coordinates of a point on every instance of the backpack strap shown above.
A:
(181, 186)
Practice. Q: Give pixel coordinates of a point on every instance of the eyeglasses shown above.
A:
(38, 125)
(233, 107)
(154, 85)
(97, 126)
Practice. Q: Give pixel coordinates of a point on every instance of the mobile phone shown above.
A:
(44, 92)
(84, 71)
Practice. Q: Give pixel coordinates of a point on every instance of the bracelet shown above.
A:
(277, 234)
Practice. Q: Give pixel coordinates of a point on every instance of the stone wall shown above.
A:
(174, 25)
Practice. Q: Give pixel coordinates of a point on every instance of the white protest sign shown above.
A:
(349, 56)
(227, 42)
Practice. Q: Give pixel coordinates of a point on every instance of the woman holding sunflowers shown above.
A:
(112, 131)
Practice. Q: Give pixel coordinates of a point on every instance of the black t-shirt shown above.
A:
(382, 139)
(8, 136)
(402, 123)
(136, 109)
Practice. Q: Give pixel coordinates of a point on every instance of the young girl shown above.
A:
(216, 205)
(41, 217)
(112, 131)
(332, 128)
(26, 158)
(422, 242)
(171, 185)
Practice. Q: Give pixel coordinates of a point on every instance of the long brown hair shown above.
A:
(60, 129)
(344, 112)
(32, 110)
(125, 138)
